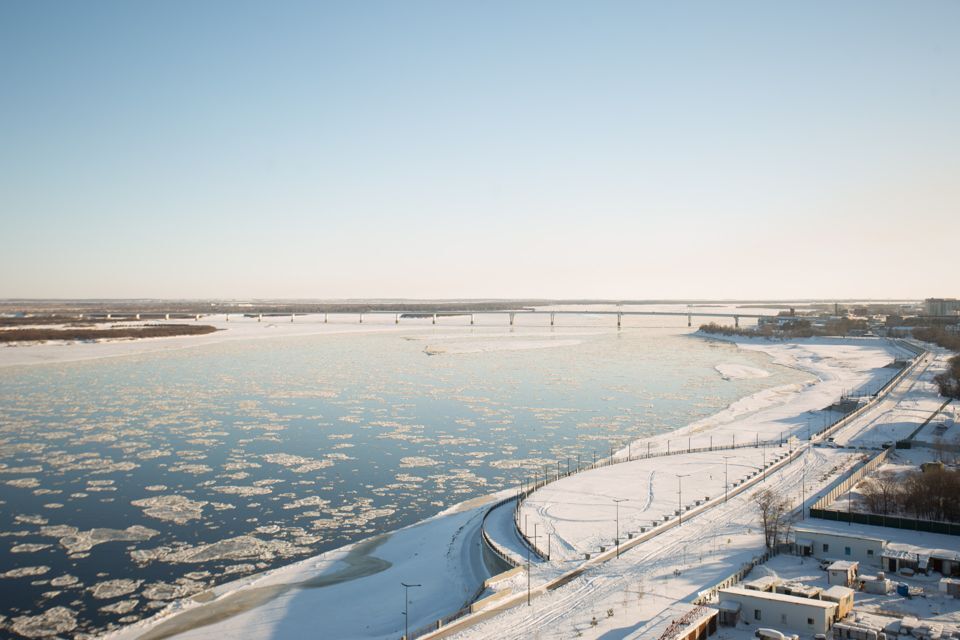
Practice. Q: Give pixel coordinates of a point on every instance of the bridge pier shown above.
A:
(166, 316)
(434, 318)
(471, 319)
(619, 319)
(259, 317)
(138, 316)
(324, 317)
(551, 318)
(109, 316)
(511, 318)
(291, 317)
(736, 321)
(361, 318)
(396, 319)
(689, 320)
(227, 317)
(197, 319)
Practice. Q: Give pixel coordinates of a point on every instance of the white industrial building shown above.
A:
(833, 545)
(777, 610)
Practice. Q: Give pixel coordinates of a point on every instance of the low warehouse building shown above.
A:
(838, 546)
(800, 615)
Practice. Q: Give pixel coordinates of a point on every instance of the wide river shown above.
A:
(128, 482)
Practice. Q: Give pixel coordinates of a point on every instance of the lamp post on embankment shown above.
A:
(680, 477)
(406, 608)
(617, 501)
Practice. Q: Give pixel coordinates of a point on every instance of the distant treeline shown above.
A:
(793, 328)
(948, 381)
(79, 333)
(930, 494)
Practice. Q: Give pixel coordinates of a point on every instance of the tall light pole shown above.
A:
(528, 571)
(726, 482)
(803, 498)
(406, 608)
(680, 477)
(616, 502)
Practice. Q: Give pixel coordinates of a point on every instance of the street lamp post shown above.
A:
(406, 608)
(528, 571)
(680, 477)
(726, 481)
(616, 502)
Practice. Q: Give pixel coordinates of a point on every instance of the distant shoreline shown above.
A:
(34, 334)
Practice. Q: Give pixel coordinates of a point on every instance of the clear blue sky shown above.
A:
(478, 149)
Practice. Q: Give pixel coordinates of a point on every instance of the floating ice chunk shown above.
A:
(417, 461)
(174, 508)
(86, 540)
(239, 548)
(121, 607)
(25, 572)
(29, 548)
(242, 490)
(114, 588)
(55, 621)
(297, 464)
(309, 501)
(24, 483)
(65, 580)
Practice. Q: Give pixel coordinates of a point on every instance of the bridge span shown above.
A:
(434, 315)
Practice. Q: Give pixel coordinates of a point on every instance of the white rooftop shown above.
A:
(778, 597)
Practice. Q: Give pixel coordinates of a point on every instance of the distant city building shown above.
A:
(941, 306)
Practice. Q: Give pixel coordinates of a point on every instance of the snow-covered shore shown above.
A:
(440, 553)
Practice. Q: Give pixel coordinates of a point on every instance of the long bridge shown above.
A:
(433, 315)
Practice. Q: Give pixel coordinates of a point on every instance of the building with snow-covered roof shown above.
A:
(888, 548)
(833, 545)
(842, 572)
(843, 596)
(765, 609)
(899, 555)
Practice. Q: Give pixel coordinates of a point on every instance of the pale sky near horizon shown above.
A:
(480, 149)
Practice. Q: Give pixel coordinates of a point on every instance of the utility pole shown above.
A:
(680, 478)
(617, 501)
(406, 608)
(528, 572)
(726, 481)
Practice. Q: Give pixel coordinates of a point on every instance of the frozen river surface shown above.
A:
(129, 482)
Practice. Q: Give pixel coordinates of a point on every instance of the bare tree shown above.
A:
(882, 493)
(773, 509)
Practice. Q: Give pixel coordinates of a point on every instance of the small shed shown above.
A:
(843, 596)
(843, 573)
(950, 586)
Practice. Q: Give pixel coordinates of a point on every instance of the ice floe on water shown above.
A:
(25, 572)
(52, 622)
(238, 548)
(23, 483)
(65, 580)
(77, 541)
(114, 588)
(29, 547)
(173, 508)
(297, 464)
(121, 606)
